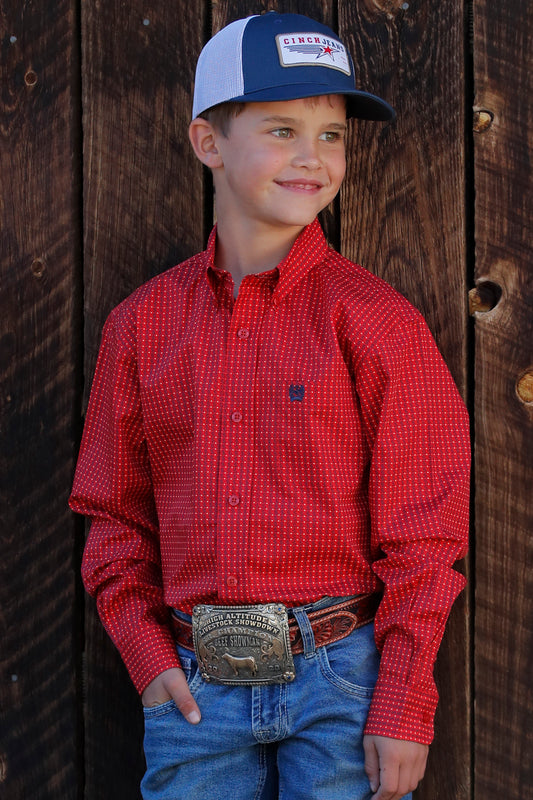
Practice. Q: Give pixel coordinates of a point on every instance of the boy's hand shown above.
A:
(394, 766)
(172, 685)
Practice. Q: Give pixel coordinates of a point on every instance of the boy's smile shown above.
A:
(281, 162)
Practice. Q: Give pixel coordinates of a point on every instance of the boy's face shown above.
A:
(281, 162)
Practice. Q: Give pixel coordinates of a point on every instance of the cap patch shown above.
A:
(312, 49)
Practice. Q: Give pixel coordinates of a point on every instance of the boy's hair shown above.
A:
(221, 116)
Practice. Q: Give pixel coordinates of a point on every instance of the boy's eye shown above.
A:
(282, 133)
(331, 136)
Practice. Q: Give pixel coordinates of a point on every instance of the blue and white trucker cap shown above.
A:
(279, 57)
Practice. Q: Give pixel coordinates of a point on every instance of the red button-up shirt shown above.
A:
(304, 440)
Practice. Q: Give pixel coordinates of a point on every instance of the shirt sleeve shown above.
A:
(113, 486)
(418, 497)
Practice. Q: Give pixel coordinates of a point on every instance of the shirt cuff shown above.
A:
(148, 655)
(402, 712)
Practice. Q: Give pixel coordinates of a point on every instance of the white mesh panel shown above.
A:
(219, 74)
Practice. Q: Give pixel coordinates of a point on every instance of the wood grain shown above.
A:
(40, 236)
(503, 151)
(143, 212)
(403, 217)
(226, 11)
(144, 190)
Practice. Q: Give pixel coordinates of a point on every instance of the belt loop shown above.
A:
(308, 637)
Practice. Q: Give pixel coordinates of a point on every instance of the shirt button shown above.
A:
(243, 333)
(234, 499)
(236, 416)
(232, 580)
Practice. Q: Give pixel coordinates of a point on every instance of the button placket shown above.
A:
(236, 445)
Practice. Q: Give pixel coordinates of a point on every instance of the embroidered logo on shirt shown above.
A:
(296, 392)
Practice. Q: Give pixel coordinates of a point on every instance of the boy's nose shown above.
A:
(307, 155)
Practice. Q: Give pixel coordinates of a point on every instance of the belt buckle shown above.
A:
(243, 645)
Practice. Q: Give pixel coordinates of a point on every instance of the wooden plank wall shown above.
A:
(147, 205)
(40, 242)
(503, 149)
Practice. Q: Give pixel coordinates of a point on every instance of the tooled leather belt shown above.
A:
(329, 624)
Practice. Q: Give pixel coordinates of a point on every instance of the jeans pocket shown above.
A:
(352, 663)
(190, 670)
(150, 712)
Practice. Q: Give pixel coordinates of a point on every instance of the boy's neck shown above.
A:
(246, 249)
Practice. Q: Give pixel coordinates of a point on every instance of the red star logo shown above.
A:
(328, 51)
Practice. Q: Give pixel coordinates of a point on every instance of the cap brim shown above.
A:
(359, 105)
(363, 105)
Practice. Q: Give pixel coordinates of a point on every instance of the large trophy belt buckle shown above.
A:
(243, 645)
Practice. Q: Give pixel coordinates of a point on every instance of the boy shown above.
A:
(275, 461)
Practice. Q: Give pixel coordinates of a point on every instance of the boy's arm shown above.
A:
(113, 486)
(418, 495)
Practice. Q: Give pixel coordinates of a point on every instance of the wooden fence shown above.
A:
(99, 191)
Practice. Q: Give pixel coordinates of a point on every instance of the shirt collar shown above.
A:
(308, 250)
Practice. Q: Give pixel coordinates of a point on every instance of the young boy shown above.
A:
(275, 462)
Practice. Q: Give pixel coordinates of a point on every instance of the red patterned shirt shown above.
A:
(304, 440)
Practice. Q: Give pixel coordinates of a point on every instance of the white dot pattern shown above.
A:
(304, 440)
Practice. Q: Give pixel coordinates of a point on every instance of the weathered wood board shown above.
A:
(40, 169)
(503, 154)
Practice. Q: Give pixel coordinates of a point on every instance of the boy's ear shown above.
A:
(203, 138)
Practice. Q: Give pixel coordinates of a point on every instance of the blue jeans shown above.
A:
(297, 741)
